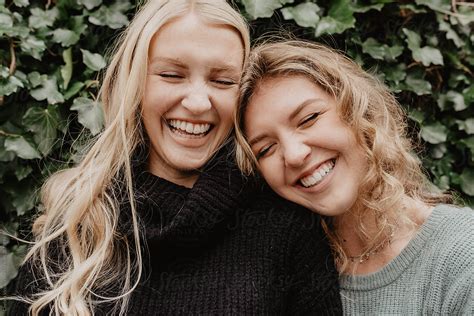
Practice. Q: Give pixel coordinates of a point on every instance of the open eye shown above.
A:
(264, 151)
(308, 119)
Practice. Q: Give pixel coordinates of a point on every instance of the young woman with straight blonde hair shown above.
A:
(327, 135)
(156, 219)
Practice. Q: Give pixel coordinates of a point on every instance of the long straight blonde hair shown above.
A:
(375, 116)
(80, 255)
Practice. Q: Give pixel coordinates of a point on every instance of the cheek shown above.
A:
(225, 107)
(272, 173)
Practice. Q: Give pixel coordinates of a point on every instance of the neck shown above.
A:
(389, 242)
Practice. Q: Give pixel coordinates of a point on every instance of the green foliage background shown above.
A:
(51, 53)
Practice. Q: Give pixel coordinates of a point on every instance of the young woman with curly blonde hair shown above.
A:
(327, 135)
(156, 219)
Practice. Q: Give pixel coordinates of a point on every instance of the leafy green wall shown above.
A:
(51, 53)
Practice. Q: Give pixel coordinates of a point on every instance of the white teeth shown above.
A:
(189, 128)
(318, 175)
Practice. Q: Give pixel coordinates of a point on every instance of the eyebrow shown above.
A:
(167, 60)
(300, 107)
(217, 68)
(292, 115)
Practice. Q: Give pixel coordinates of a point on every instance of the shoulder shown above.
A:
(452, 239)
(283, 213)
(454, 224)
(453, 257)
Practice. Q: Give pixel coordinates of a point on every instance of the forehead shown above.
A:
(275, 100)
(192, 35)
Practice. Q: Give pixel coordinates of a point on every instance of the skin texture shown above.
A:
(291, 142)
(193, 74)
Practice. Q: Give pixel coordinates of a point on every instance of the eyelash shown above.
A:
(224, 82)
(220, 82)
(309, 118)
(263, 152)
(174, 76)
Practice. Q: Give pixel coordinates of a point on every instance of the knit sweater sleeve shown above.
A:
(315, 289)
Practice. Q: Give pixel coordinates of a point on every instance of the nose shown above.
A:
(295, 153)
(197, 99)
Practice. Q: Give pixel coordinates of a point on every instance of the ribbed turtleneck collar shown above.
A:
(185, 217)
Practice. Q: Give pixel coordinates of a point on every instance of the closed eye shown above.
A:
(264, 151)
(224, 82)
(308, 119)
(170, 75)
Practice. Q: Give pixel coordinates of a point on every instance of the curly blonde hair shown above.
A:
(376, 119)
(79, 251)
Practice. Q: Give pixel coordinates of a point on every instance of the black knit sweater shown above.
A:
(222, 248)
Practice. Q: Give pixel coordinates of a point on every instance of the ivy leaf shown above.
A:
(305, 14)
(6, 22)
(66, 70)
(395, 74)
(73, 90)
(89, 4)
(413, 39)
(467, 125)
(415, 83)
(435, 133)
(362, 8)
(468, 94)
(467, 181)
(10, 85)
(22, 195)
(90, 114)
(112, 17)
(438, 151)
(22, 171)
(379, 51)
(340, 18)
(469, 142)
(465, 16)
(93, 61)
(416, 116)
(261, 9)
(33, 46)
(40, 18)
(48, 90)
(43, 123)
(21, 147)
(9, 269)
(36, 79)
(436, 5)
(426, 55)
(453, 97)
(21, 3)
(450, 33)
(65, 37)
(5, 155)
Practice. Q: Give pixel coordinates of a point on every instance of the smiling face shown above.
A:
(191, 92)
(305, 152)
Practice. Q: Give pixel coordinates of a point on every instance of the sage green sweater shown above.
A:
(433, 275)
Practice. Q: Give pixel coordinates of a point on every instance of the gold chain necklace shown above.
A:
(366, 256)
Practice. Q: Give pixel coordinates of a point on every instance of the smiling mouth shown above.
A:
(318, 175)
(185, 128)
